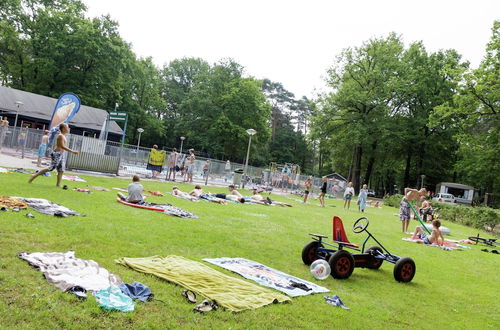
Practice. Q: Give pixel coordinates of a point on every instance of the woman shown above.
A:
(323, 191)
(4, 126)
(348, 193)
(42, 149)
(363, 196)
(190, 168)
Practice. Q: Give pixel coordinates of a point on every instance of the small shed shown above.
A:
(463, 193)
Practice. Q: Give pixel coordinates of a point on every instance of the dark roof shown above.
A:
(41, 107)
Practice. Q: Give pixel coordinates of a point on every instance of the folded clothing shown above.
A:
(137, 290)
(232, 293)
(113, 298)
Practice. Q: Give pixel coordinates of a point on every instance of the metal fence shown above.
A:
(111, 157)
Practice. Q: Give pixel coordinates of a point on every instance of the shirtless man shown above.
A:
(259, 199)
(404, 207)
(436, 236)
(234, 195)
(57, 156)
(199, 193)
(172, 160)
(308, 185)
(176, 192)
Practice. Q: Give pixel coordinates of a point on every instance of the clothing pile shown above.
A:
(11, 202)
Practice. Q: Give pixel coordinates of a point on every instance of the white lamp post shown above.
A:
(182, 142)
(422, 183)
(250, 132)
(140, 130)
(18, 104)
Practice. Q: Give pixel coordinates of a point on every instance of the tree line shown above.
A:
(393, 112)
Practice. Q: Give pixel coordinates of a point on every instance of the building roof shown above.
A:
(456, 185)
(41, 107)
(336, 176)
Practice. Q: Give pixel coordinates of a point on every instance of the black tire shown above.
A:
(310, 252)
(375, 263)
(342, 264)
(404, 270)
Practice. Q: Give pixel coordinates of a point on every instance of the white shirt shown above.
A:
(349, 190)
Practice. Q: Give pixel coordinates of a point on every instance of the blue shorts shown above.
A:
(424, 238)
(42, 149)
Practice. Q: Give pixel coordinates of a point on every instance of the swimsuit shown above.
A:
(424, 238)
(57, 161)
(323, 188)
(404, 211)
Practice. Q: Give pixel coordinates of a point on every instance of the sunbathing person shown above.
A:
(436, 236)
(233, 191)
(199, 193)
(134, 192)
(177, 192)
(259, 199)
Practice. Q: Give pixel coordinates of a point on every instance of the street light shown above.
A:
(182, 142)
(140, 130)
(250, 132)
(18, 104)
(422, 183)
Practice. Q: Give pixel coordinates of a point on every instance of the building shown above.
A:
(463, 194)
(35, 111)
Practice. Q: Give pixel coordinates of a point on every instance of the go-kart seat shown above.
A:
(339, 235)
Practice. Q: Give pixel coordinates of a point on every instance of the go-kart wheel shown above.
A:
(375, 263)
(360, 225)
(310, 252)
(342, 264)
(404, 270)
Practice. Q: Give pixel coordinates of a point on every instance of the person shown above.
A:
(348, 193)
(362, 197)
(171, 165)
(404, 206)
(285, 179)
(233, 195)
(156, 161)
(233, 191)
(425, 209)
(42, 149)
(206, 166)
(259, 199)
(57, 156)
(436, 236)
(308, 185)
(177, 192)
(323, 191)
(227, 170)
(135, 190)
(4, 127)
(21, 139)
(199, 193)
(189, 166)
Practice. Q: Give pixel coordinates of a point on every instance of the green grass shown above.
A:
(457, 289)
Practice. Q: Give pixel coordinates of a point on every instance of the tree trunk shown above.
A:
(406, 180)
(371, 162)
(357, 167)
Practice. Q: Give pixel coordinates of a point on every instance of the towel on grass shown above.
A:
(49, 208)
(73, 178)
(446, 248)
(232, 293)
(267, 276)
(113, 298)
(66, 271)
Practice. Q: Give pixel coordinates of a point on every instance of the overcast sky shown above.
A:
(294, 42)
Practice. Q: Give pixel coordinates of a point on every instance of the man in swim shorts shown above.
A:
(436, 236)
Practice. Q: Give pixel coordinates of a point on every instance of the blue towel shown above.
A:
(137, 290)
(113, 298)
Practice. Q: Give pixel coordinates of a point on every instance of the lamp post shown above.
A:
(140, 130)
(182, 142)
(18, 104)
(250, 132)
(422, 182)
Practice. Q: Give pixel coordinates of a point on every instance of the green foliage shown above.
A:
(393, 200)
(481, 217)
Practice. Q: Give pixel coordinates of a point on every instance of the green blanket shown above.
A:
(232, 293)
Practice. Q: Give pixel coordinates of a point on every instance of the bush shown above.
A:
(392, 200)
(481, 217)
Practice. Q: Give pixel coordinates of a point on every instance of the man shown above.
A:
(57, 156)
(233, 195)
(308, 185)
(172, 160)
(259, 199)
(135, 190)
(404, 206)
(199, 193)
(436, 236)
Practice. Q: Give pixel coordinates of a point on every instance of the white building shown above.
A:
(463, 193)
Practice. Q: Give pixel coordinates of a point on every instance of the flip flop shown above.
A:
(189, 295)
(205, 306)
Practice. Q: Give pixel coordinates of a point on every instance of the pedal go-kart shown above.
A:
(342, 262)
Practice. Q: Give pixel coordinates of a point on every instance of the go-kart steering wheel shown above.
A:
(360, 225)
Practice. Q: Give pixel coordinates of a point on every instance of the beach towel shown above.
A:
(165, 208)
(4, 170)
(232, 293)
(157, 157)
(49, 208)
(267, 276)
(73, 178)
(66, 271)
(446, 247)
(98, 188)
(113, 298)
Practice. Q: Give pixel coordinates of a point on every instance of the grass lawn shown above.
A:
(451, 289)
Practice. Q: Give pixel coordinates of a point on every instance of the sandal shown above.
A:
(189, 295)
(205, 306)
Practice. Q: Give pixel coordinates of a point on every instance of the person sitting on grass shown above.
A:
(57, 156)
(177, 192)
(259, 199)
(199, 193)
(436, 236)
(134, 192)
(425, 209)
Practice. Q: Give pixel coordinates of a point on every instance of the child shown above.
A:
(308, 185)
(57, 156)
(348, 193)
(323, 191)
(436, 236)
(42, 149)
(134, 192)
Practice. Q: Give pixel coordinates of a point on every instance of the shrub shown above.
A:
(392, 200)
(480, 217)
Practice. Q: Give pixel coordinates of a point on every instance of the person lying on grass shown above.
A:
(199, 193)
(259, 199)
(57, 156)
(233, 195)
(233, 191)
(177, 192)
(134, 192)
(436, 236)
